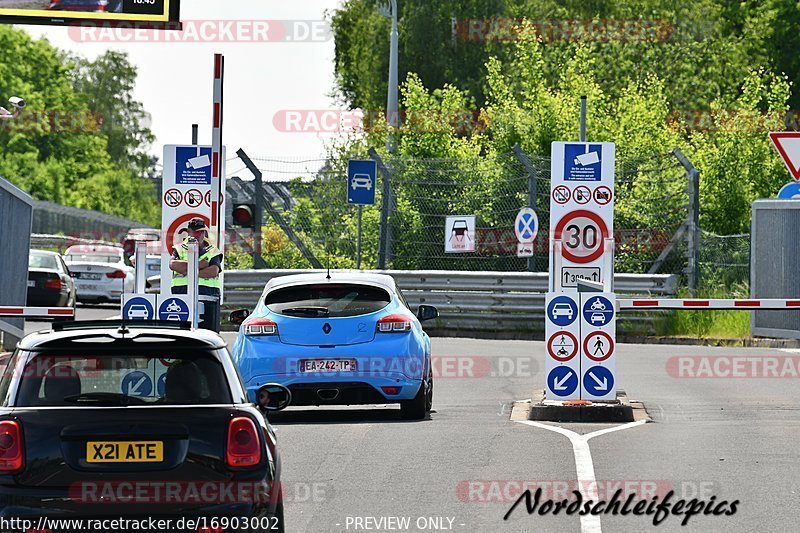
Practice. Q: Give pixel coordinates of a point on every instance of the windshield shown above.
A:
(122, 380)
(327, 301)
(42, 261)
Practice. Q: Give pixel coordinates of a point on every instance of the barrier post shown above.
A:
(141, 267)
(193, 277)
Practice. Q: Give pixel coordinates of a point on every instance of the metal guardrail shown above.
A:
(469, 301)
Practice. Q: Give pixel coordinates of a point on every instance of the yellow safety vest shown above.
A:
(179, 280)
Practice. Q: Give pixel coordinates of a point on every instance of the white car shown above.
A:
(362, 181)
(101, 273)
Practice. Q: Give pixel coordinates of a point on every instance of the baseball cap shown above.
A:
(197, 224)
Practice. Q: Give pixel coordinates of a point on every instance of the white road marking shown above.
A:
(587, 484)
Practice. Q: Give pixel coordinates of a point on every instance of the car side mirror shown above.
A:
(427, 312)
(273, 397)
(238, 316)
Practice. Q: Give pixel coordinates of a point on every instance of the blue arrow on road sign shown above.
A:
(790, 191)
(362, 176)
(598, 381)
(137, 384)
(562, 380)
(173, 309)
(138, 309)
(598, 311)
(562, 311)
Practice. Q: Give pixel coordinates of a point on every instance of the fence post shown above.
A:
(276, 216)
(532, 189)
(692, 222)
(385, 238)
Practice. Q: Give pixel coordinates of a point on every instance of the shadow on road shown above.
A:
(320, 415)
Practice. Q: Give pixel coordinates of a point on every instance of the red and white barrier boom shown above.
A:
(37, 311)
(778, 304)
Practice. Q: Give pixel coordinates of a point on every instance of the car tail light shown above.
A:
(12, 455)
(394, 324)
(260, 327)
(391, 390)
(53, 283)
(244, 447)
(117, 274)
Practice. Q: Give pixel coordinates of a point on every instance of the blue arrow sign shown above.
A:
(362, 176)
(790, 191)
(598, 311)
(137, 384)
(161, 385)
(598, 381)
(562, 380)
(138, 309)
(562, 311)
(173, 309)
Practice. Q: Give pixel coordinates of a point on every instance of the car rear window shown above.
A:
(122, 380)
(327, 301)
(42, 261)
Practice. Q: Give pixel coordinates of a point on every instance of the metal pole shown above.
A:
(358, 243)
(192, 275)
(217, 164)
(141, 267)
(583, 119)
(392, 99)
(608, 266)
(195, 134)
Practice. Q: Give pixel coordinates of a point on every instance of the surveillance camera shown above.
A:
(17, 102)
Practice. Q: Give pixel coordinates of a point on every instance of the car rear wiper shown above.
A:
(309, 310)
(104, 397)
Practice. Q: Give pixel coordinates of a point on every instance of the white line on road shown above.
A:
(583, 464)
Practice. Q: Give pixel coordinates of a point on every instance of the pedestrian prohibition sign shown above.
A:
(598, 346)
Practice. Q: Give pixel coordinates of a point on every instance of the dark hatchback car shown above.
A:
(105, 420)
(49, 281)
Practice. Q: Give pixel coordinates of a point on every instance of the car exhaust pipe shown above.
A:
(328, 394)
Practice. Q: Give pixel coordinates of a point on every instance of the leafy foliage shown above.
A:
(82, 139)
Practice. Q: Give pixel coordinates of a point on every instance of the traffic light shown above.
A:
(244, 215)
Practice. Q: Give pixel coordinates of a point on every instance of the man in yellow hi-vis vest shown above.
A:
(208, 268)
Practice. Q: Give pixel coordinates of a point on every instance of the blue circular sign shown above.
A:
(138, 308)
(526, 225)
(598, 311)
(137, 384)
(161, 384)
(562, 380)
(173, 309)
(598, 381)
(790, 191)
(562, 311)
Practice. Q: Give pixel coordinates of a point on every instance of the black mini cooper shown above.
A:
(139, 421)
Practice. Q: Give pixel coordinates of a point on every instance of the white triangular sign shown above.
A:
(788, 146)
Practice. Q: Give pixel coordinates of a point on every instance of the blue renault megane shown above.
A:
(338, 339)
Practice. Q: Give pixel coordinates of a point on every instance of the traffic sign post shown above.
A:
(362, 177)
(562, 334)
(598, 346)
(459, 234)
(582, 213)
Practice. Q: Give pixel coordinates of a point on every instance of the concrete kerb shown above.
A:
(538, 408)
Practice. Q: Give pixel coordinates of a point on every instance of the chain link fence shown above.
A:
(405, 229)
(725, 262)
(51, 218)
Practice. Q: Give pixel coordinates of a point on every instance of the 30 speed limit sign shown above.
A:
(584, 173)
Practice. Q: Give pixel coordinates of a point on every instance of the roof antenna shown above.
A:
(328, 277)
